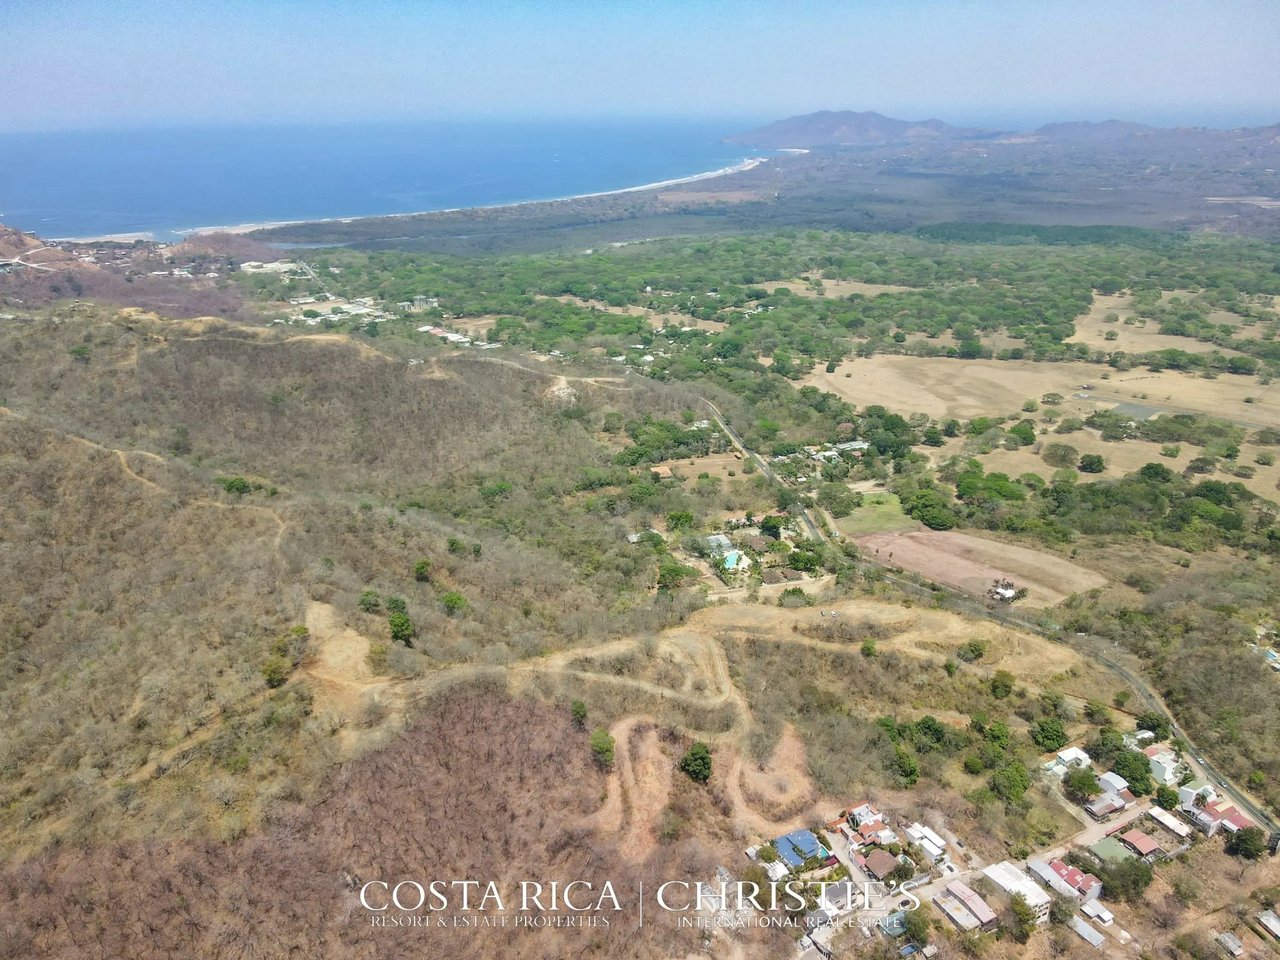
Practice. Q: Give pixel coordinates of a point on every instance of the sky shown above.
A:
(80, 64)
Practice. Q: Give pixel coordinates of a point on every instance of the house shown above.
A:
(933, 846)
(1138, 739)
(1141, 844)
(1050, 878)
(1103, 805)
(1112, 782)
(1072, 758)
(798, 846)
(757, 543)
(1169, 822)
(1188, 793)
(1012, 880)
(1111, 850)
(973, 904)
(772, 575)
(894, 925)
(879, 864)
(1166, 768)
(1094, 910)
(1270, 922)
(1087, 933)
(1066, 880)
(1230, 943)
(863, 813)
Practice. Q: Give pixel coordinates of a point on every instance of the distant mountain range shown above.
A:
(848, 128)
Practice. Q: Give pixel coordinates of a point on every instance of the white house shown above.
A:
(1112, 782)
(1166, 769)
(1072, 758)
(1012, 880)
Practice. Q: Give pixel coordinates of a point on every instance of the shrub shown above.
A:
(369, 602)
(453, 602)
(578, 710)
(602, 748)
(276, 671)
(1092, 463)
(402, 630)
(396, 605)
(696, 764)
(422, 570)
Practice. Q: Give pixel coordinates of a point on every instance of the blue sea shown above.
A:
(162, 182)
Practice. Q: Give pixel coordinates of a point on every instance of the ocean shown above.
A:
(162, 182)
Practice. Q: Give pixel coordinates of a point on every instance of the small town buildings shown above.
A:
(1104, 805)
(1112, 782)
(1072, 758)
(1066, 880)
(1087, 933)
(932, 845)
(798, 846)
(1138, 739)
(1012, 880)
(1166, 768)
(973, 904)
(879, 864)
(1141, 844)
(1042, 872)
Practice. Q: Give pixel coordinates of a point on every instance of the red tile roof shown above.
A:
(1140, 842)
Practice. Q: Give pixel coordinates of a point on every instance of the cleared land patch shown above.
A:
(972, 563)
(879, 513)
(834, 288)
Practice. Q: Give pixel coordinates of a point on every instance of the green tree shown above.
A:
(401, 629)
(1092, 463)
(1166, 797)
(276, 670)
(696, 763)
(1134, 766)
(917, 923)
(1022, 919)
(453, 602)
(1249, 843)
(1060, 455)
(602, 748)
(1011, 781)
(771, 526)
(1081, 784)
(1061, 911)
(1156, 723)
(679, 520)
(1002, 684)
(422, 570)
(1095, 711)
(905, 766)
(1048, 734)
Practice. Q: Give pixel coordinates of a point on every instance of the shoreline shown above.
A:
(750, 163)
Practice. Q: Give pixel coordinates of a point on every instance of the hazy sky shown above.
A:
(92, 63)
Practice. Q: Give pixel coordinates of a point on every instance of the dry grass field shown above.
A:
(835, 289)
(965, 389)
(972, 563)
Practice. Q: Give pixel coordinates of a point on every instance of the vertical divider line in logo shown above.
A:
(641, 926)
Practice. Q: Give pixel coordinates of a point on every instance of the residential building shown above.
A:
(1012, 880)
(1072, 758)
(974, 904)
(1141, 844)
(1104, 805)
(1166, 768)
(1070, 881)
(798, 846)
(1094, 910)
(1112, 782)
(930, 843)
(879, 864)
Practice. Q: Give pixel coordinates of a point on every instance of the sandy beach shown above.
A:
(748, 164)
